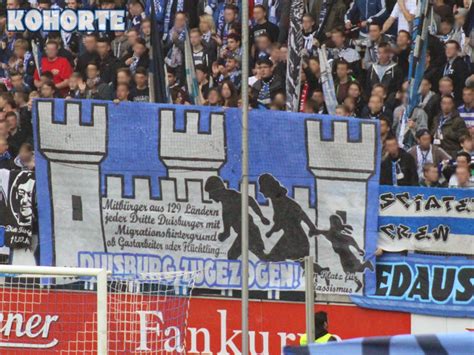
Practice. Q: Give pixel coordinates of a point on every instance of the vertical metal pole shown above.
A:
(309, 295)
(102, 339)
(244, 187)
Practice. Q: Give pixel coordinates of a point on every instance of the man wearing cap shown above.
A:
(426, 153)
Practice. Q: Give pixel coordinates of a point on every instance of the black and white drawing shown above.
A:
(232, 218)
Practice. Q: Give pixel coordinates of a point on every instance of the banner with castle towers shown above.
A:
(141, 188)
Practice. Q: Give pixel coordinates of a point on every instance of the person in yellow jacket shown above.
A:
(322, 335)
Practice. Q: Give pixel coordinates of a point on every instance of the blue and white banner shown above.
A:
(426, 284)
(145, 188)
(449, 344)
(428, 220)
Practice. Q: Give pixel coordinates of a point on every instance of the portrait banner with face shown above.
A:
(140, 188)
(17, 201)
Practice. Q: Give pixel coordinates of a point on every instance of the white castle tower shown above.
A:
(190, 155)
(74, 150)
(341, 184)
(355, 163)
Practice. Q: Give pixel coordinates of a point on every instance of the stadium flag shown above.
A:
(36, 55)
(157, 63)
(453, 343)
(295, 46)
(421, 24)
(327, 81)
(191, 81)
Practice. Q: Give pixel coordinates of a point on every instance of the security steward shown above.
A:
(322, 335)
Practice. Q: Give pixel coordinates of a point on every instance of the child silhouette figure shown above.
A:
(341, 239)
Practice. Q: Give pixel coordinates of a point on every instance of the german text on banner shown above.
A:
(142, 188)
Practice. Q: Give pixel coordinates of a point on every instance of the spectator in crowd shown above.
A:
(448, 127)
(375, 37)
(362, 12)
(342, 110)
(399, 167)
(308, 33)
(106, 61)
(463, 160)
(343, 79)
(89, 55)
(139, 56)
(115, 65)
(328, 15)
(467, 145)
(385, 71)
(426, 153)
(230, 21)
(402, 14)
(59, 67)
(375, 109)
(25, 157)
(402, 51)
(342, 51)
(405, 127)
(430, 176)
(432, 72)
(354, 92)
(6, 161)
(214, 97)
(201, 55)
(48, 90)
(22, 62)
(455, 68)
(120, 44)
(466, 110)
(122, 93)
(228, 93)
(140, 92)
(262, 25)
(263, 89)
(429, 100)
(463, 178)
(15, 136)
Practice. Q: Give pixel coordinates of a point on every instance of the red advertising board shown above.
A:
(214, 325)
(59, 322)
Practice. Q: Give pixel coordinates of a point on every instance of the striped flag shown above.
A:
(327, 81)
(453, 343)
(419, 45)
(36, 55)
(295, 46)
(191, 81)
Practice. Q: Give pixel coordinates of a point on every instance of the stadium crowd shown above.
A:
(368, 41)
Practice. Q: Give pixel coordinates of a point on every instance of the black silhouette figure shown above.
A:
(287, 216)
(341, 239)
(231, 216)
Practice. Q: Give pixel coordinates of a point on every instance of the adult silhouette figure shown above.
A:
(341, 239)
(288, 217)
(231, 217)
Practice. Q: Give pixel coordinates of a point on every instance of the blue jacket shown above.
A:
(366, 10)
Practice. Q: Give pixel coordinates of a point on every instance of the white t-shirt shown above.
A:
(398, 14)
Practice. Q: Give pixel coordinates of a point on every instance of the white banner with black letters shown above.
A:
(429, 220)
